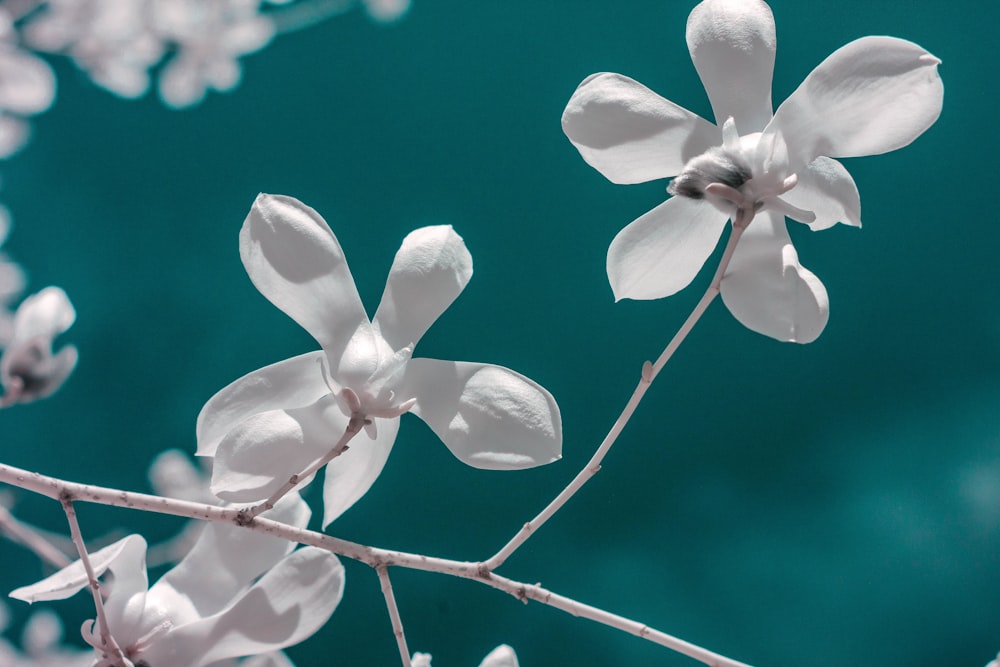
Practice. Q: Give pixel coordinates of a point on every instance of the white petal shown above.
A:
(14, 135)
(661, 252)
(732, 44)
(827, 189)
(871, 96)
(27, 84)
(488, 416)
(73, 578)
(292, 383)
(350, 475)
(273, 659)
(501, 656)
(261, 453)
(294, 259)
(430, 270)
(287, 605)
(767, 289)
(629, 133)
(43, 315)
(386, 11)
(226, 559)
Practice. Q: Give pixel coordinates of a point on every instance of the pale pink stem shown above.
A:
(397, 622)
(108, 643)
(64, 491)
(353, 428)
(649, 372)
(307, 14)
(25, 535)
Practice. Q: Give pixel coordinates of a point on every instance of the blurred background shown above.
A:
(830, 504)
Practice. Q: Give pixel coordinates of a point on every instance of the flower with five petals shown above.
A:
(874, 95)
(274, 422)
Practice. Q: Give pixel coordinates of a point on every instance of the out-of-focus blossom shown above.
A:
(41, 644)
(237, 593)
(386, 11)
(11, 283)
(27, 87)
(995, 662)
(28, 368)
(210, 37)
(501, 656)
(874, 95)
(275, 422)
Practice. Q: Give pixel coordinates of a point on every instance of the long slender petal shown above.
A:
(768, 290)
(871, 96)
(287, 605)
(350, 475)
(261, 453)
(294, 259)
(732, 45)
(629, 133)
(292, 383)
(430, 270)
(224, 560)
(488, 416)
(661, 252)
(827, 189)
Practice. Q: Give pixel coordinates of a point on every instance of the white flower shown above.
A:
(501, 656)
(274, 422)
(27, 87)
(387, 11)
(28, 369)
(210, 38)
(111, 40)
(874, 95)
(237, 593)
(11, 282)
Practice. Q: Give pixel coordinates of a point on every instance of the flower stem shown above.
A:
(649, 373)
(108, 643)
(304, 15)
(353, 428)
(397, 623)
(30, 538)
(58, 489)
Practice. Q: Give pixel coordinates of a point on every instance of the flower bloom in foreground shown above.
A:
(28, 369)
(275, 422)
(874, 95)
(237, 593)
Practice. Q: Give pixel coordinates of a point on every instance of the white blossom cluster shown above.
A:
(238, 594)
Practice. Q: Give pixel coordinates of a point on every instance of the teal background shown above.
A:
(830, 504)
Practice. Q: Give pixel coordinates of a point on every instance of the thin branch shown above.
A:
(649, 373)
(353, 428)
(304, 15)
(64, 491)
(108, 643)
(397, 623)
(30, 538)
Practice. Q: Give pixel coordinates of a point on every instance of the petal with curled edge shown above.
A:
(350, 475)
(430, 270)
(768, 290)
(828, 190)
(292, 383)
(662, 251)
(261, 453)
(287, 605)
(732, 45)
(225, 560)
(629, 133)
(488, 416)
(294, 259)
(501, 656)
(871, 96)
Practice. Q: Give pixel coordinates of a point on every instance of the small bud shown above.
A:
(716, 165)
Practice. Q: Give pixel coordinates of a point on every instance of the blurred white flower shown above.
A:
(27, 87)
(274, 422)
(501, 656)
(12, 282)
(41, 642)
(237, 593)
(874, 95)
(386, 11)
(209, 37)
(28, 369)
(111, 40)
